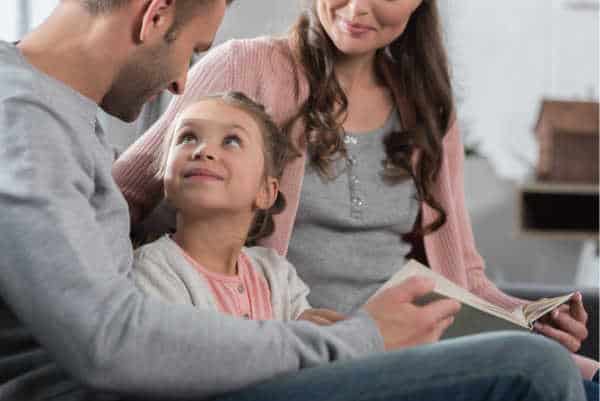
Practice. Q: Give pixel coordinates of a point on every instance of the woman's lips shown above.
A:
(352, 28)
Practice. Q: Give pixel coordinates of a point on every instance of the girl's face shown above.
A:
(359, 27)
(216, 162)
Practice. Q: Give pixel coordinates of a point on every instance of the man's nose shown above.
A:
(178, 86)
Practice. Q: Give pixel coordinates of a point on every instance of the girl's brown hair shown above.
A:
(416, 69)
(277, 151)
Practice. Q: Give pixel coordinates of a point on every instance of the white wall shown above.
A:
(8, 20)
(506, 56)
(40, 9)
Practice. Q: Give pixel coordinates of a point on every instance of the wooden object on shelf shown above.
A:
(567, 132)
(561, 211)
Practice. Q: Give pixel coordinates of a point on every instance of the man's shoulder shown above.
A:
(17, 80)
(20, 82)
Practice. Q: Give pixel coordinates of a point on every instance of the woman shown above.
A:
(354, 75)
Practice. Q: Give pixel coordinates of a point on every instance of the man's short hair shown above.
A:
(184, 11)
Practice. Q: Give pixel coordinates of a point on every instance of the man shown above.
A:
(74, 327)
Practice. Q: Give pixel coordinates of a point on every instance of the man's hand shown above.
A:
(404, 324)
(566, 324)
(323, 317)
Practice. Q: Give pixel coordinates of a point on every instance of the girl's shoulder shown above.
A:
(161, 251)
(266, 257)
(268, 262)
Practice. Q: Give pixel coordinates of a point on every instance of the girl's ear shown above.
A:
(157, 18)
(267, 195)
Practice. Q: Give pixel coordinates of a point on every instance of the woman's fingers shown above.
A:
(329, 314)
(566, 322)
(570, 342)
(577, 308)
(321, 316)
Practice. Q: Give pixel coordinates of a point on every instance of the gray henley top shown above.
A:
(347, 236)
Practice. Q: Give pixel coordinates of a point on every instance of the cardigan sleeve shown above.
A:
(135, 170)
(298, 292)
(474, 264)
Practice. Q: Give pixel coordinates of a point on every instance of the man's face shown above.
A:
(154, 68)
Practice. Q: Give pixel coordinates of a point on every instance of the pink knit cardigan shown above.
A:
(262, 69)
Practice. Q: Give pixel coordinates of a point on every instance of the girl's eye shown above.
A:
(187, 138)
(232, 140)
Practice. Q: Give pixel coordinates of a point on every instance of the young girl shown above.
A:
(221, 165)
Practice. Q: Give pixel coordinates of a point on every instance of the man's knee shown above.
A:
(545, 363)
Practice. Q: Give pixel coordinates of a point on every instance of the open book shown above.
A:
(476, 314)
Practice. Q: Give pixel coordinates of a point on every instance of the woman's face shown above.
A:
(359, 27)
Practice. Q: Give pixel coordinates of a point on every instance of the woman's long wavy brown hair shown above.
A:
(414, 66)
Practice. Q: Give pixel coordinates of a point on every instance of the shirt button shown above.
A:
(240, 288)
(354, 180)
(358, 201)
(351, 160)
(350, 140)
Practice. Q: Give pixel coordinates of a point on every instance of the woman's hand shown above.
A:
(323, 317)
(404, 324)
(566, 324)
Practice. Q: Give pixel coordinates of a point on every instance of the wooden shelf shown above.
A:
(558, 210)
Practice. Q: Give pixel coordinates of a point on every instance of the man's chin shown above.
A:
(127, 115)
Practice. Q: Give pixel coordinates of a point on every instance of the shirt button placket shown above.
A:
(357, 202)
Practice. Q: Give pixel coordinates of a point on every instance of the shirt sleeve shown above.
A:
(60, 277)
(477, 280)
(298, 291)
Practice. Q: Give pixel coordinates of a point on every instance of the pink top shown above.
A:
(262, 69)
(246, 294)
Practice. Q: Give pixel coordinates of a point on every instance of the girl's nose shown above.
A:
(202, 151)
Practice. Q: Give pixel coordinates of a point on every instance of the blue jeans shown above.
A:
(502, 366)
(592, 389)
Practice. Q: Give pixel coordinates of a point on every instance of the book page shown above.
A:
(534, 310)
(449, 289)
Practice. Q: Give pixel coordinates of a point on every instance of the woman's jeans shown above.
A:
(502, 366)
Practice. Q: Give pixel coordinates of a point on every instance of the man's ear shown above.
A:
(157, 19)
(267, 195)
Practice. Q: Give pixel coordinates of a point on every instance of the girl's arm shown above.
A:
(298, 291)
